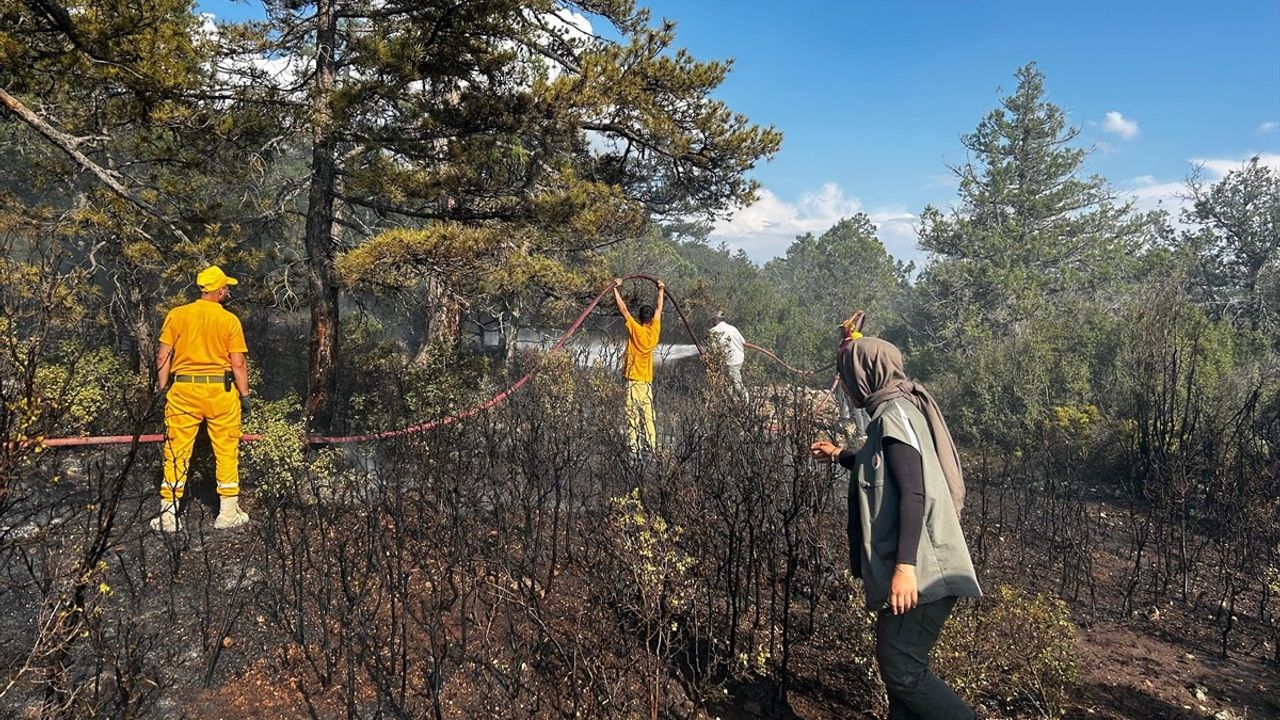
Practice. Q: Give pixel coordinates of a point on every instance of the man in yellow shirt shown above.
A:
(638, 367)
(202, 351)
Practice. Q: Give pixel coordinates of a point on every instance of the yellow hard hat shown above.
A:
(212, 278)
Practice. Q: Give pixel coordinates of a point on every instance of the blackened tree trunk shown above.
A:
(321, 280)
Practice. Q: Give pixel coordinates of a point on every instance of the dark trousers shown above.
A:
(903, 644)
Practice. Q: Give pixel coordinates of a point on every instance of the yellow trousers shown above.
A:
(640, 415)
(189, 404)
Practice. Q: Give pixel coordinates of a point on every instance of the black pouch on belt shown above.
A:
(228, 379)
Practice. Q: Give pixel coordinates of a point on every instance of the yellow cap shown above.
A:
(212, 278)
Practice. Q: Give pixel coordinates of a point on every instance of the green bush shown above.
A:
(275, 461)
(1014, 650)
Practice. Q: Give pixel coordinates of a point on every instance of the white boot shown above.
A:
(229, 514)
(167, 520)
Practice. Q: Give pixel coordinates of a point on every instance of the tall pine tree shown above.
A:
(1029, 233)
(477, 147)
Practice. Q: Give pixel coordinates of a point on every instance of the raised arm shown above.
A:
(662, 294)
(617, 298)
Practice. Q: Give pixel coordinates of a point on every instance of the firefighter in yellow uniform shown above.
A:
(201, 360)
(642, 338)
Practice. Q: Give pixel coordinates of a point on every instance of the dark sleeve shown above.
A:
(907, 470)
(848, 459)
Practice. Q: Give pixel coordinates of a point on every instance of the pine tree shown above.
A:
(466, 146)
(1236, 240)
(1029, 232)
(118, 132)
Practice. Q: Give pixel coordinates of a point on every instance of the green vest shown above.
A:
(943, 567)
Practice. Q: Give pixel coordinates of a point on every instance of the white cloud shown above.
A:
(208, 26)
(255, 69)
(899, 231)
(1217, 168)
(1118, 124)
(599, 144)
(1268, 127)
(570, 29)
(770, 215)
(765, 229)
(1149, 193)
(572, 25)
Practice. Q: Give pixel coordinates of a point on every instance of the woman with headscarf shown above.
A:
(905, 542)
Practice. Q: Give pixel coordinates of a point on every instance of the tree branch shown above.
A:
(69, 144)
(425, 214)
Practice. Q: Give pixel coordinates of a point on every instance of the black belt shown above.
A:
(199, 379)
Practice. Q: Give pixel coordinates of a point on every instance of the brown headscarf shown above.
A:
(872, 374)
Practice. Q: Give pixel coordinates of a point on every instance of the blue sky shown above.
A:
(872, 97)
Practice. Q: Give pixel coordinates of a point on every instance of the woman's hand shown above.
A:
(824, 452)
(902, 589)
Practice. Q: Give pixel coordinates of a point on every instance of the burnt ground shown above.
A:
(1139, 670)
(1148, 665)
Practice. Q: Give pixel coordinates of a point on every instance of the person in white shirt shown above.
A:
(731, 343)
